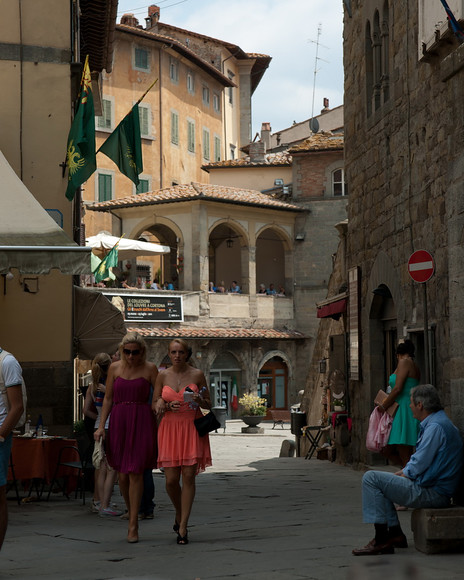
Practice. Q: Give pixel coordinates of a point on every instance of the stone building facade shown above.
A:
(404, 116)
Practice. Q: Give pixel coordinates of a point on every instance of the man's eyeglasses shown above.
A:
(128, 352)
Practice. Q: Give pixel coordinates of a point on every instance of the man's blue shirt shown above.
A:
(437, 461)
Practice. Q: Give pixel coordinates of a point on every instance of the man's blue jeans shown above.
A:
(381, 489)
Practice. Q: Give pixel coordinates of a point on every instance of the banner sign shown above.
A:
(148, 308)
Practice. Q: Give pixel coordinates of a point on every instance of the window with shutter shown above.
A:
(191, 136)
(206, 144)
(145, 120)
(141, 61)
(105, 187)
(174, 128)
(105, 121)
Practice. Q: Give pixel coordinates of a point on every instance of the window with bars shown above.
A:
(191, 136)
(141, 59)
(105, 120)
(105, 186)
(206, 153)
(174, 128)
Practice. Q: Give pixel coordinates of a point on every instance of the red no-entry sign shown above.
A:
(421, 266)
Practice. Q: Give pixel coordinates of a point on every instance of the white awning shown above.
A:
(30, 240)
(127, 249)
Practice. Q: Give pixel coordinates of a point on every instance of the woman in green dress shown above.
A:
(405, 427)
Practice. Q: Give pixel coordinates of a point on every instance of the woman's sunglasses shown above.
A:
(128, 352)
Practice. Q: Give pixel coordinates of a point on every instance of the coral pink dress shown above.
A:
(131, 441)
(178, 440)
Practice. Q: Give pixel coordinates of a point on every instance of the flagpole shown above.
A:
(146, 92)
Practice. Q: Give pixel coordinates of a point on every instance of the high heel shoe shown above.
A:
(133, 540)
(176, 527)
(182, 540)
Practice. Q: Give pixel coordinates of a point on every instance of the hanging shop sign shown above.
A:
(148, 308)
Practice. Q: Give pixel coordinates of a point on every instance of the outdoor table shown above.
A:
(34, 460)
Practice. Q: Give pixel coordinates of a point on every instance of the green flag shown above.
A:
(102, 271)
(124, 146)
(80, 153)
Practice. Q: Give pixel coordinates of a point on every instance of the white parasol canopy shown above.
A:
(127, 249)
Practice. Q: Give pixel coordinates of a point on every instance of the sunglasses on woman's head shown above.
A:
(128, 352)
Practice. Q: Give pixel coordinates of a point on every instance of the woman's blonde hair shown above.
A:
(137, 339)
(100, 366)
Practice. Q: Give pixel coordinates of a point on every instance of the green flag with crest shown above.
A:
(80, 151)
(124, 146)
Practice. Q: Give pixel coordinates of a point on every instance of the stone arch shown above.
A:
(274, 258)
(385, 312)
(228, 254)
(168, 233)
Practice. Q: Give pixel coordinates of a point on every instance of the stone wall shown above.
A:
(404, 168)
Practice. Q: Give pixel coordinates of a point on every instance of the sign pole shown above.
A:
(421, 267)
(426, 336)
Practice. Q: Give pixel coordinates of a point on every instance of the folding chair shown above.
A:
(72, 460)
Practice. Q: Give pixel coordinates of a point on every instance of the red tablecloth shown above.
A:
(36, 458)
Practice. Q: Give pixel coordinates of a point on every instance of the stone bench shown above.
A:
(438, 530)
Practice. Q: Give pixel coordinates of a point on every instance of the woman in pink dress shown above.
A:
(131, 441)
(180, 391)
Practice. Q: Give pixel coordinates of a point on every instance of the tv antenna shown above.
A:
(313, 123)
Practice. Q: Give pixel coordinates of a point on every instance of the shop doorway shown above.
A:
(273, 383)
(224, 374)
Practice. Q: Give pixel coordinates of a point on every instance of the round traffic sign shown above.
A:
(421, 266)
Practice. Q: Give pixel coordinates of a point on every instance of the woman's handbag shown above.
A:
(380, 424)
(380, 398)
(98, 454)
(206, 423)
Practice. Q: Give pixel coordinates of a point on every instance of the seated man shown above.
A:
(234, 287)
(271, 291)
(429, 479)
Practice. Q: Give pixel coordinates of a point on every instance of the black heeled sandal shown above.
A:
(182, 540)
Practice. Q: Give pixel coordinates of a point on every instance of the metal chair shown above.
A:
(72, 460)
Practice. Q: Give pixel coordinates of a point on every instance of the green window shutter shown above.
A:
(191, 136)
(217, 149)
(143, 186)
(141, 58)
(205, 144)
(105, 188)
(104, 122)
(144, 117)
(175, 128)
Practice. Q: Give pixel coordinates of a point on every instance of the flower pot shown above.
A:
(252, 420)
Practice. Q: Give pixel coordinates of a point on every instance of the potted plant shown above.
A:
(339, 405)
(253, 409)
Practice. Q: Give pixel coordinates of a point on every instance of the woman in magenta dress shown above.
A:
(131, 442)
(180, 391)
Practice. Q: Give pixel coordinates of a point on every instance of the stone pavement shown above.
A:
(256, 517)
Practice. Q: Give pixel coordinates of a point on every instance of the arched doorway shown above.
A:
(225, 372)
(384, 333)
(273, 383)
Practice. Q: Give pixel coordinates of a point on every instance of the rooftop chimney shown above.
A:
(257, 152)
(326, 105)
(153, 16)
(266, 135)
(130, 20)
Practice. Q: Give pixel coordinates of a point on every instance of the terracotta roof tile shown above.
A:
(219, 333)
(195, 192)
(319, 142)
(270, 159)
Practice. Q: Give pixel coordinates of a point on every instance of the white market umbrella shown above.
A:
(127, 249)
